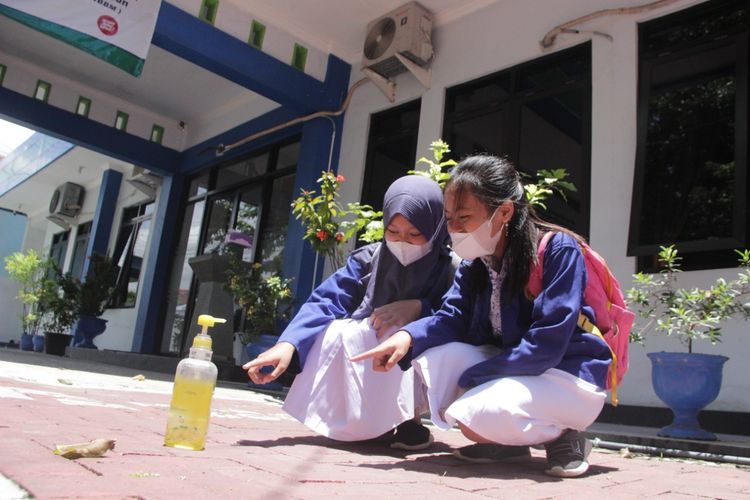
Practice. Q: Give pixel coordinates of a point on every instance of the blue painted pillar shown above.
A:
(158, 265)
(321, 141)
(299, 257)
(101, 227)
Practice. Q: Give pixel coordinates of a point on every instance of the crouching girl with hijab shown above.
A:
(510, 369)
(382, 287)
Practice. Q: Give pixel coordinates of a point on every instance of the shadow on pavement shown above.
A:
(449, 466)
(377, 446)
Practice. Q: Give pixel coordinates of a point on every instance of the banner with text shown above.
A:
(118, 31)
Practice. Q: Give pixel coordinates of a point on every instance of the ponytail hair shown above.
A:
(494, 180)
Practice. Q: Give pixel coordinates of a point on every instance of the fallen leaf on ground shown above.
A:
(625, 453)
(139, 377)
(64, 381)
(144, 474)
(95, 448)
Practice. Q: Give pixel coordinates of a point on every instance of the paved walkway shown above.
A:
(255, 450)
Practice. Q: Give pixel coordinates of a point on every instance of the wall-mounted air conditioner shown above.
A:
(145, 181)
(405, 31)
(66, 200)
(65, 204)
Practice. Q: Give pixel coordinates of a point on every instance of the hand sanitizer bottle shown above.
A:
(193, 389)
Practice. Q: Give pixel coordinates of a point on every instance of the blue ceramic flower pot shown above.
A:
(86, 329)
(260, 344)
(687, 383)
(38, 342)
(27, 344)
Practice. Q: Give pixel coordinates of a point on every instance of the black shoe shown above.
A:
(485, 453)
(567, 456)
(411, 436)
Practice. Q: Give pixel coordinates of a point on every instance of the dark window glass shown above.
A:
(251, 196)
(552, 131)
(57, 250)
(275, 224)
(198, 186)
(702, 23)
(553, 72)
(477, 95)
(288, 156)
(391, 150)
(691, 183)
(242, 170)
(544, 122)
(130, 252)
(247, 220)
(479, 134)
(182, 278)
(79, 250)
(219, 220)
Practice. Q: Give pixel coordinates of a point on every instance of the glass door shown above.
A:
(178, 300)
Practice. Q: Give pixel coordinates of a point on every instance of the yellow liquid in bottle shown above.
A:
(189, 412)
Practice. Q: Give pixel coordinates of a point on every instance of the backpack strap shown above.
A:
(534, 288)
(585, 323)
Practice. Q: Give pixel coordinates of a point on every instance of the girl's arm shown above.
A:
(450, 322)
(553, 321)
(335, 298)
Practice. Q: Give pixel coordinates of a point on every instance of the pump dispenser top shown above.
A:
(194, 383)
(203, 339)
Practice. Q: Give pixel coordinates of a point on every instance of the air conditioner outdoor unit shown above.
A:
(405, 32)
(145, 181)
(66, 200)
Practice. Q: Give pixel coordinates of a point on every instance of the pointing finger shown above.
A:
(365, 355)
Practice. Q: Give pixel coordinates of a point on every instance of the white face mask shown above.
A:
(406, 253)
(477, 243)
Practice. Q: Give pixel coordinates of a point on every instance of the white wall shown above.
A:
(119, 333)
(508, 33)
(10, 311)
(22, 77)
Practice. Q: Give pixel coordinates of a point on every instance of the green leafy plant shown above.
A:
(96, 291)
(437, 169)
(265, 297)
(328, 225)
(689, 313)
(58, 303)
(548, 183)
(29, 270)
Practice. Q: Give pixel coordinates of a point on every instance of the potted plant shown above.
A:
(265, 299)
(687, 381)
(92, 296)
(29, 270)
(58, 300)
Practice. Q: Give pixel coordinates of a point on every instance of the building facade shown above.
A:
(645, 106)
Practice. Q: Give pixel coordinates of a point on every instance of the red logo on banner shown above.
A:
(107, 25)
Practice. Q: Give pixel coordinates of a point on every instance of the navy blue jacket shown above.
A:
(337, 297)
(537, 333)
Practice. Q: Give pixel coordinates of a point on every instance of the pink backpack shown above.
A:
(603, 295)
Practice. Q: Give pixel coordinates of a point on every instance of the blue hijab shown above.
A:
(420, 200)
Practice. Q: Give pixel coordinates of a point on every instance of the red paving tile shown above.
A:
(254, 450)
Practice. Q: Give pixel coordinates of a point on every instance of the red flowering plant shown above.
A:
(328, 225)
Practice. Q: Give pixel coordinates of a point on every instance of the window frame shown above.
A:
(119, 300)
(265, 180)
(510, 108)
(706, 253)
(83, 107)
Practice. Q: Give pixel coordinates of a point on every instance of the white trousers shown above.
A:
(522, 410)
(349, 401)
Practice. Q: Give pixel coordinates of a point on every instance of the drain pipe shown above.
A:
(653, 450)
(223, 148)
